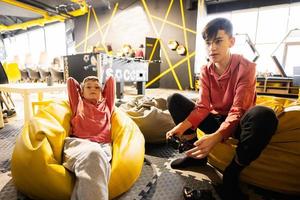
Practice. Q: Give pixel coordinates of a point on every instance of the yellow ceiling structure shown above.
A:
(44, 18)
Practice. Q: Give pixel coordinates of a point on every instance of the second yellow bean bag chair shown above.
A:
(277, 168)
(36, 161)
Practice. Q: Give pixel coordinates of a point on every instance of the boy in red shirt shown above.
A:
(87, 152)
(225, 108)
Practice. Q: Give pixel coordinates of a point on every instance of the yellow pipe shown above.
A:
(81, 11)
(170, 69)
(80, 2)
(186, 44)
(39, 22)
(87, 30)
(25, 25)
(173, 24)
(162, 46)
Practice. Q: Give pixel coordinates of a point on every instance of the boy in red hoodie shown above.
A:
(225, 108)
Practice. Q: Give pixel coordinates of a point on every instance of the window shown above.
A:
(8, 48)
(2, 50)
(266, 27)
(36, 43)
(265, 62)
(20, 46)
(292, 58)
(294, 17)
(244, 46)
(269, 20)
(55, 40)
(240, 17)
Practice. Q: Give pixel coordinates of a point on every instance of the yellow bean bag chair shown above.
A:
(37, 157)
(277, 168)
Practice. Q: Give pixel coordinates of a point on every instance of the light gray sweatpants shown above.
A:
(90, 161)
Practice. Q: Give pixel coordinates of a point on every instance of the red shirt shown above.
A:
(91, 120)
(230, 94)
(139, 53)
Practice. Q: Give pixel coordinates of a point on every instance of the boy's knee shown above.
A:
(261, 117)
(172, 99)
(261, 114)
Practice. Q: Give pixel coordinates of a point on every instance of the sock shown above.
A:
(188, 162)
(231, 181)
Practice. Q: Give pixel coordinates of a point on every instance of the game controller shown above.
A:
(191, 194)
(182, 146)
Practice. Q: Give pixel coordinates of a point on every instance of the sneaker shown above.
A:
(184, 162)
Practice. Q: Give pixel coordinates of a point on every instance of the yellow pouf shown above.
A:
(37, 157)
(277, 168)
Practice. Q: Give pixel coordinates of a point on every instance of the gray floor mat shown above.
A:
(157, 180)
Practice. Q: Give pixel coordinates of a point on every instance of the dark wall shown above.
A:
(131, 25)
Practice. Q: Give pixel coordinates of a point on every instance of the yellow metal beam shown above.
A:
(45, 17)
(84, 8)
(82, 3)
(25, 25)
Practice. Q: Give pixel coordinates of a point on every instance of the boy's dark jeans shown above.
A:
(254, 132)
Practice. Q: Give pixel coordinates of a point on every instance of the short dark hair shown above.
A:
(211, 29)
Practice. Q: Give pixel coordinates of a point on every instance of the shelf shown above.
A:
(277, 86)
(278, 94)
